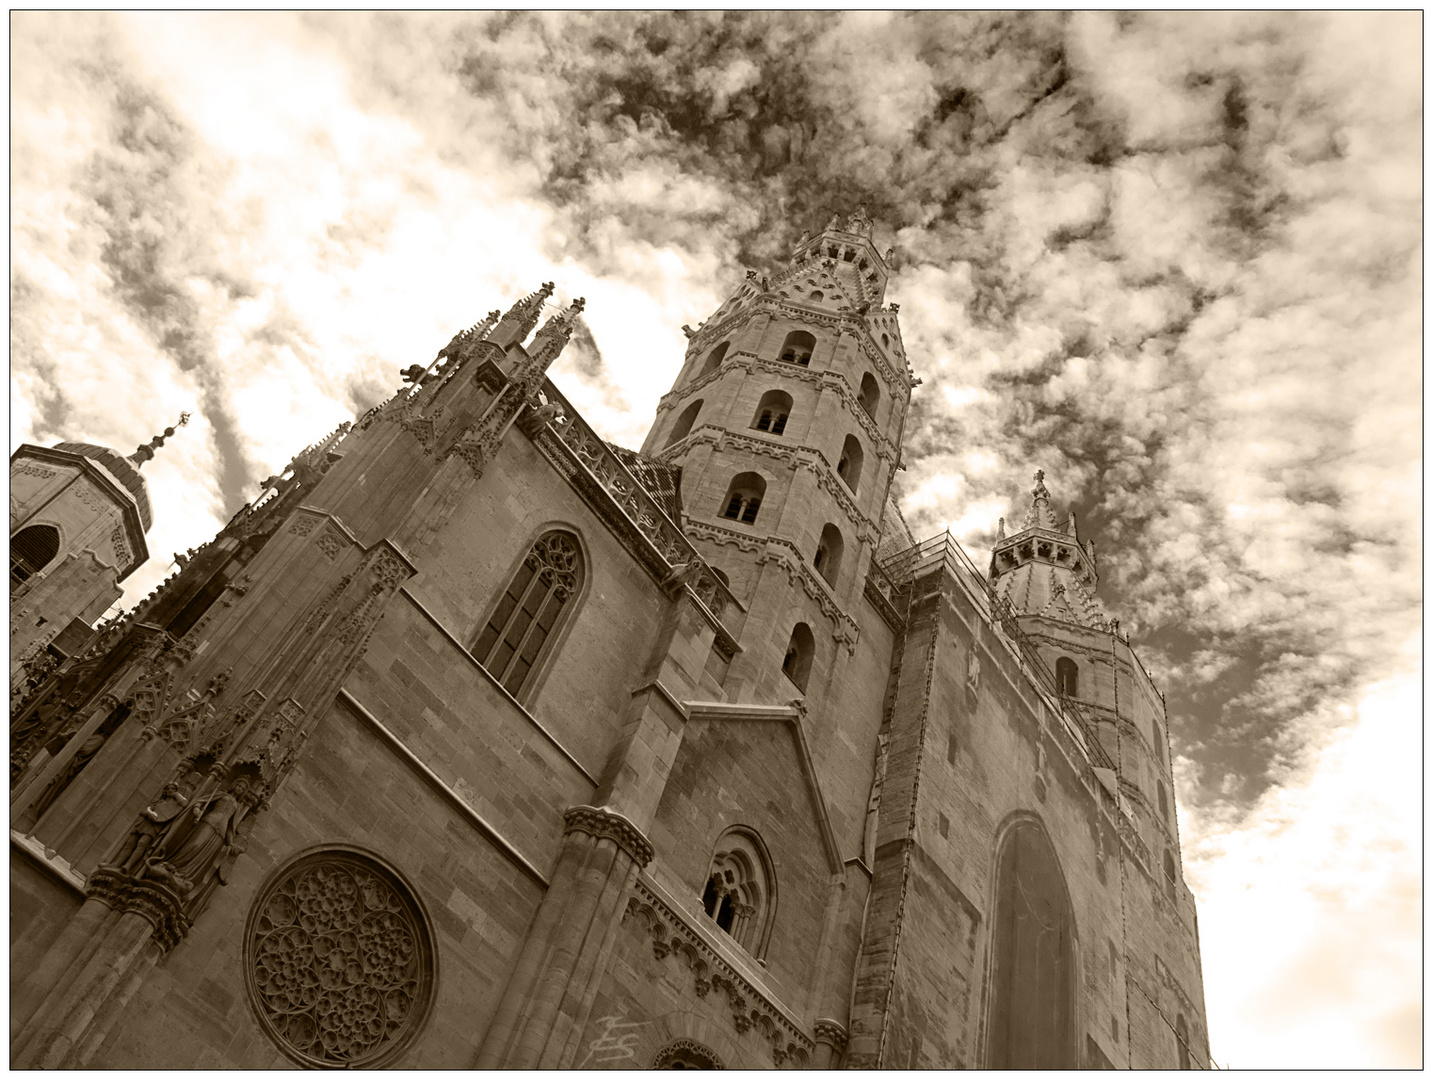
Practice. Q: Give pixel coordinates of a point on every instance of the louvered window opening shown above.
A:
(31, 550)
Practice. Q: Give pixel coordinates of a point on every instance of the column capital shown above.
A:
(831, 1031)
(605, 824)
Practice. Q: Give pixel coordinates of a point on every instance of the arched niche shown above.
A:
(1033, 979)
(827, 559)
(743, 497)
(772, 412)
(683, 427)
(31, 550)
(800, 651)
(1067, 677)
(714, 358)
(797, 348)
(870, 395)
(740, 890)
(848, 466)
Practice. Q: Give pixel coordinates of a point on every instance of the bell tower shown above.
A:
(78, 515)
(786, 421)
(1048, 579)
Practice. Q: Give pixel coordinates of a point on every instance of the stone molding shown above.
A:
(159, 904)
(605, 825)
(833, 1032)
(846, 630)
(687, 1046)
(750, 1007)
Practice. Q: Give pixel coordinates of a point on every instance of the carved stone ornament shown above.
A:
(687, 1054)
(603, 824)
(158, 903)
(304, 524)
(833, 1032)
(339, 961)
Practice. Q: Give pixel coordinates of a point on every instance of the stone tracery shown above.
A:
(339, 961)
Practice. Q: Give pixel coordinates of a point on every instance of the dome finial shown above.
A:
(146, 451)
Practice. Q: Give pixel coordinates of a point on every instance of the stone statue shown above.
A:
(146, 831)
(188, 857)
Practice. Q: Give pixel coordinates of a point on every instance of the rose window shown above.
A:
(339, 961)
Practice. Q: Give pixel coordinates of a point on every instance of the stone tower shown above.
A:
(478, 741)
(786, 422)
(78, 515)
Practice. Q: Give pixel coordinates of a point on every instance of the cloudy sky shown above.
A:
(1173, 260)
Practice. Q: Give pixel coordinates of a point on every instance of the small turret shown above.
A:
(1043, 569)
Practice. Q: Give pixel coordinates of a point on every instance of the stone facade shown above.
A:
(477, 742)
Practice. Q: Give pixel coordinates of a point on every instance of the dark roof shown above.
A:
(122, 469)
(662, 482)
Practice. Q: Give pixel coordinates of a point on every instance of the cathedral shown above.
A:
(476, 741)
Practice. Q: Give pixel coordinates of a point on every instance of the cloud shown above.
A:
(1173, 259)
(1311, 905)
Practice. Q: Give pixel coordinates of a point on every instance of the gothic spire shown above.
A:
(1039, 515)
(519, 319)
(553, 337)
(146, 451)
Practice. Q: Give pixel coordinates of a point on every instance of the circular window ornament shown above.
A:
(339, 960)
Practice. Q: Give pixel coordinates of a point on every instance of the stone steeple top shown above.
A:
(1043, 569)
(847, 251)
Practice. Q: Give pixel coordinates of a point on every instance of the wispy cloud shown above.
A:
(1172, 259)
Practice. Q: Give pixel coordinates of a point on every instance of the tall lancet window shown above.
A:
(531, 610)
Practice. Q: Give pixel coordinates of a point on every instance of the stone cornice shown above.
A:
(845, 629)
(796, 456)
(607, 825)
(750, 1004)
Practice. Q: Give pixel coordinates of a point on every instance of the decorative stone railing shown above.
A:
(639, 509)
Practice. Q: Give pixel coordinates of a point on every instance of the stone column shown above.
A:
(830, 1044)
(545, 1006)
(149, 913)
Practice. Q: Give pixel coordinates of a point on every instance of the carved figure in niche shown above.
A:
(223, 871)
(152, 821)
(188, 855)
(83, 756)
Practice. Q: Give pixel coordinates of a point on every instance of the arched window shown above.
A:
(743, 497)
(530, 610)
(1067, 677)
(740, 893)
(886, 340)
(816, 296)
(31, 550)
(714, 358)
(828, 553)
(1032, 1022)
(870, 394)
(799, 653)
(1163, 799)
(1170, 875)
(772, 412)
(797, 348)
(683, 427)
(1181, 1038)
(685, 1054)
(849, 466)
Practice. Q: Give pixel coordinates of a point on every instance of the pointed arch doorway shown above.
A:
(1032, 1011)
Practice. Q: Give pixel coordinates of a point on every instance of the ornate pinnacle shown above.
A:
(519, 320)
(146, 451)
(1039, 514)
(859, 223)
(553, 337)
